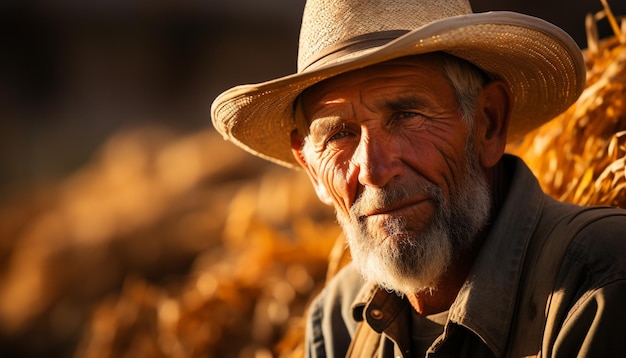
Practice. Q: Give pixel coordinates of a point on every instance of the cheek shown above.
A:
(333, 175)
(439, 159)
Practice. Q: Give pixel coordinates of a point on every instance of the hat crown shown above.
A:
(332, 25)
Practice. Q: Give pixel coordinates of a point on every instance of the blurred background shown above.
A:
(127, 226)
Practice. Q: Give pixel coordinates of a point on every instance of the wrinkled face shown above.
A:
(388, 148)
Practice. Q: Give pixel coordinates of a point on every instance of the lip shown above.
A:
(396, 208)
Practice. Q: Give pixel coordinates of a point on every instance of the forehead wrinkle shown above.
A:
(323, 113)
(335, 101)
(363, 102)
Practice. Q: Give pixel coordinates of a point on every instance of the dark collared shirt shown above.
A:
(587, 316)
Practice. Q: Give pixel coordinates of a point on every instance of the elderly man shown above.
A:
(399, 114)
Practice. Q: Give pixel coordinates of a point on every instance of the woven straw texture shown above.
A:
(541, 64)
(326, 23)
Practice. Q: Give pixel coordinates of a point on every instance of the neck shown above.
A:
(441, 298)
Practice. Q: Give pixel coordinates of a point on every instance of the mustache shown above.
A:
(377, 199)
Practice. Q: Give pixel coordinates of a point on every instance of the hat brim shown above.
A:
(541, 64)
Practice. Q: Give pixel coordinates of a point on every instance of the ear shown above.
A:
(492, 116)
(320, 189)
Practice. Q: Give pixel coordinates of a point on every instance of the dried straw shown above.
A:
(580, 156)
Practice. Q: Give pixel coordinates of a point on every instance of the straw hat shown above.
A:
(541, 63)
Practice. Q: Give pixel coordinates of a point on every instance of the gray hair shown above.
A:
(467, 81)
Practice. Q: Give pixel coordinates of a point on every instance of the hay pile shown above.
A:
(580, 156)
(165, 245)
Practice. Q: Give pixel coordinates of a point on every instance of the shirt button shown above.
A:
(377, 314)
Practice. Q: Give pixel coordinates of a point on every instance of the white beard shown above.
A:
(409, 262)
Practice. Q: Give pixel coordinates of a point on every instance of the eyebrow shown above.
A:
(323, 125)
(401, 102)
(404, 103)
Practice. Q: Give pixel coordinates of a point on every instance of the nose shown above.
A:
(377, 159)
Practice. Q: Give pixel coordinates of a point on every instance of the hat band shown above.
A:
(358, 43)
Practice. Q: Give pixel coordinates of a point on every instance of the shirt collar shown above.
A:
(486, 302)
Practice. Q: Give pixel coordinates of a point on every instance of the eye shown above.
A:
(327, 134)
(407, 117)
(339, 134)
